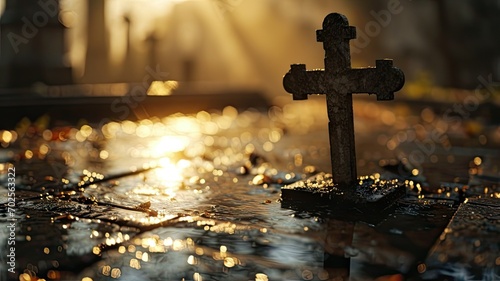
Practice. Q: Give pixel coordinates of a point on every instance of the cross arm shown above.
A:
(382, 80)
(301, 82)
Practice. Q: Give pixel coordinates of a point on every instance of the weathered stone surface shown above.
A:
(408, 232)
(469, 246)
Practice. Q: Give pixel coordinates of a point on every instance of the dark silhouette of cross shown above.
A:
(338, 81)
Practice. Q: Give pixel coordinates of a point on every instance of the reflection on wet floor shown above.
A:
(196, 197)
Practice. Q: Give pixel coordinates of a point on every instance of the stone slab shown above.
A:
(469, 246)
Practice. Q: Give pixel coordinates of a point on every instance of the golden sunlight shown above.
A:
(169, 144)
(162, 88)
(171, 174)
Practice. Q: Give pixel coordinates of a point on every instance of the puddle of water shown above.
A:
(205, 204)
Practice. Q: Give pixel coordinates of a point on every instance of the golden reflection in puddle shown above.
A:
(197, 277)
(168, 241)
(192, 260)
(122, 249)
(96, 250)
(178, 245)
(149, 220)
(230, 262)
(168, 178)
(145, 257)
(187, 219)
(223, 251)
(24, 277)
(116, 273)
(477, 160)
(261, 277)
(106, 270)
(134, 263)
(169, 144)
(170, 171)
(146, 190)
(138, 255)
(184, 125)
(53, 274)
(7, 136)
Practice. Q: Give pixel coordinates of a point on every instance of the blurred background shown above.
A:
(239, 44)
(89, 90)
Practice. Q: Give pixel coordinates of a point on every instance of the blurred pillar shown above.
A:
(97, 57)
(152, 45)
(189, 42)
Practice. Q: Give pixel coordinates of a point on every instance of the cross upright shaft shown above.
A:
(338, 81)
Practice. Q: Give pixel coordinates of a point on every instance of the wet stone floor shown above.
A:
(196, 197)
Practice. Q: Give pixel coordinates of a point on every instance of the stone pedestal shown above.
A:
(370, 195)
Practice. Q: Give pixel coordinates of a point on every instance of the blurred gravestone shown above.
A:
(32, 44)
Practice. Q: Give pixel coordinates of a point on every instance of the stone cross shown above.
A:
(338, 81)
